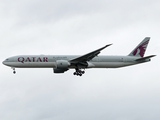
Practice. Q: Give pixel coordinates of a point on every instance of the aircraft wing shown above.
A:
(88, 57)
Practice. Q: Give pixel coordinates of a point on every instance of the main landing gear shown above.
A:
(14, 71)
(79, 72)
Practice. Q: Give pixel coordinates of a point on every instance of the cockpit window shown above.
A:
(7, 59)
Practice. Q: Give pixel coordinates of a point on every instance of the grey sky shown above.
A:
(78, 27)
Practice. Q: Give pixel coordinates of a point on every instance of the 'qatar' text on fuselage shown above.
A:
(32, 59)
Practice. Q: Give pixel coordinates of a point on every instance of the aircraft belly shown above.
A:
(33, 65)
(111, 64)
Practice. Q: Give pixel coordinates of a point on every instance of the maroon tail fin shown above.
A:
(139, 51)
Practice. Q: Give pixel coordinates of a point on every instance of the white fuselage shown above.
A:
(49, 61)
(62, 63)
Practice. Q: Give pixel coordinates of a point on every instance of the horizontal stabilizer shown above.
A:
(145, 58)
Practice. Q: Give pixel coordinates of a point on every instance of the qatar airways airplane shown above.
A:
(62, 63)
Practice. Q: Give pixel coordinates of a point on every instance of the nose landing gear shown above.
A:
(14, 71)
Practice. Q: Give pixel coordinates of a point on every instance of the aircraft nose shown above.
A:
(4, 63)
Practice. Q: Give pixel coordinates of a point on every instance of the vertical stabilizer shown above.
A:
(139, 51)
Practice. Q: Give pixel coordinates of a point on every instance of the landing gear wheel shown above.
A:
(14, 71)
(78, 72)
(83, 72)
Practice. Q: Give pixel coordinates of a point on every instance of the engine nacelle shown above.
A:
(59, 70)
(62, 64)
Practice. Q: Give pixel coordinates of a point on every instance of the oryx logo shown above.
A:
(140, 50)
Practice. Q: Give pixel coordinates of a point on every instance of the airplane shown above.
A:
(62, 63)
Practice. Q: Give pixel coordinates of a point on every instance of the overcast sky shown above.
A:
(78, 27)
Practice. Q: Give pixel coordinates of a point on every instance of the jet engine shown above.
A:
(59, 70)
(62, 64)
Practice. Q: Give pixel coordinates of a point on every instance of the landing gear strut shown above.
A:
(78, 72)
